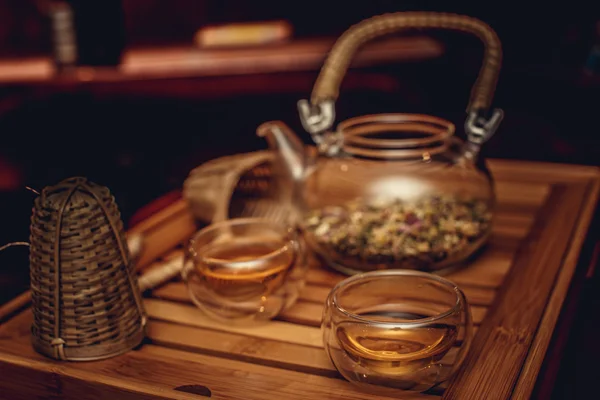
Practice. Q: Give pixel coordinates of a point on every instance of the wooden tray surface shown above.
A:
(516, 288)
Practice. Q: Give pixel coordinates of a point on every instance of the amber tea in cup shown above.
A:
(244, 270)
(396, 330)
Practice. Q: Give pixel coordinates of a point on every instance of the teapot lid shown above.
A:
(395, 136)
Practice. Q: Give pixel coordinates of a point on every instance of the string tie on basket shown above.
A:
(58, 345)
(11, 244)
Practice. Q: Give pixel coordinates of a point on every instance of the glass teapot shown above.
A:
(390, 191)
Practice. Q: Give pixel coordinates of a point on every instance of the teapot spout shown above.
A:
(290, 148)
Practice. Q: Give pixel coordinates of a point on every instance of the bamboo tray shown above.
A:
(517, 288)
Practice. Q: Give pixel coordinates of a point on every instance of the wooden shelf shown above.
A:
(191, 62)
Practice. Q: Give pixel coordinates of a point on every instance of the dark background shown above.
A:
(143, 145)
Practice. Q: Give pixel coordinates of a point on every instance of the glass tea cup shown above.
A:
(396, 330)
(244, 270)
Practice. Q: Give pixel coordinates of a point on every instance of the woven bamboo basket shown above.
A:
(85, 299)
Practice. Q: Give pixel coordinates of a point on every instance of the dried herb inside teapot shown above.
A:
(425, 231)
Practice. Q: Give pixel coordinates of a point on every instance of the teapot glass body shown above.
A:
(402, 192)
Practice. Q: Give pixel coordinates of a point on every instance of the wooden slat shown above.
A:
(505, 243)
(15, 305)
(500, 348)
(479, 296)
(172, 291)
(520, 222)
(18, 326)
(541, 172)
(485, 271)
(318, 294)
(507, 228)
(306, 314)
(234, 346)
(163, 231)
(314, 294)
(216, 361)
(275, 330)
(176, 291)
(303, 313)
(310, 314)
(522, 193)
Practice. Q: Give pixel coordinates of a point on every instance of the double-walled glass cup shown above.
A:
(396, 330)
(244, 270)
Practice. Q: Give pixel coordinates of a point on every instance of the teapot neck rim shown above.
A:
(396, 135)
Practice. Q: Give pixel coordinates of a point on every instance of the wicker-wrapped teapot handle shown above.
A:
(318, 115)
(336, 65)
